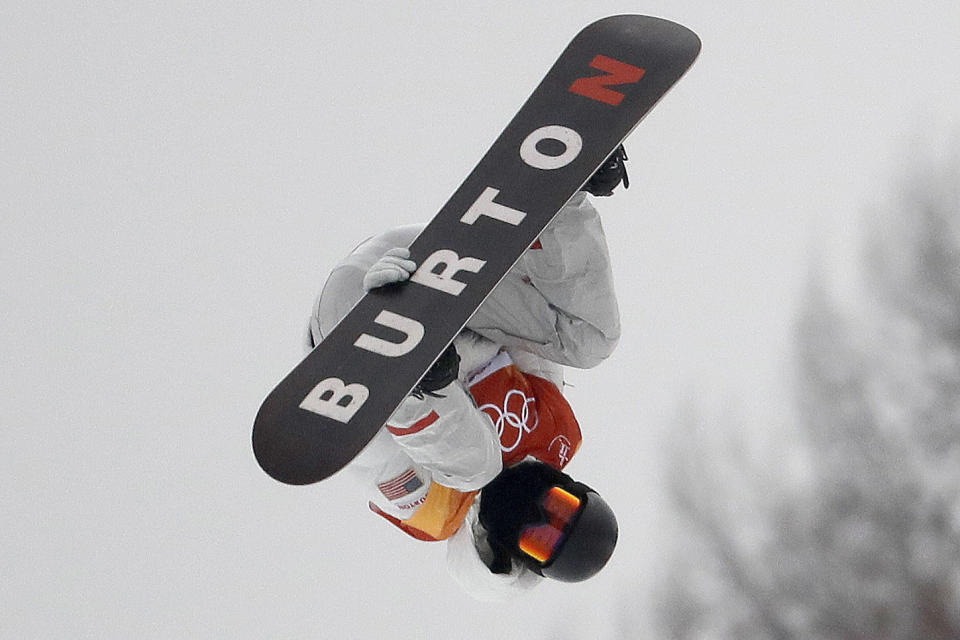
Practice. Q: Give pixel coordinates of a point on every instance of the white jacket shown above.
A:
(555, 306)
(557, 301)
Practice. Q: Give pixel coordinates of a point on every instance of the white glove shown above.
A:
(394, 266)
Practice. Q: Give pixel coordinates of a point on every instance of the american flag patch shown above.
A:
(404, 484)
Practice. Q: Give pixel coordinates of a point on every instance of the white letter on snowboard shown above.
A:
(485, 206)
(331, 407)
(570, 139)
(412, 329)
(452, 263)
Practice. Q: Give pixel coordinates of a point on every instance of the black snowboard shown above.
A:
(331, 405)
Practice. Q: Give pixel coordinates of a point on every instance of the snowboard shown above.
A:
(323, 413)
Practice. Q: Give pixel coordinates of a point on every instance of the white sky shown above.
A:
(177, 179)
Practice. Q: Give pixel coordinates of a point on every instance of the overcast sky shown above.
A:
(177, 180)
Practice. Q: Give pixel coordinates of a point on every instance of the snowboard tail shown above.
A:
(325, 411)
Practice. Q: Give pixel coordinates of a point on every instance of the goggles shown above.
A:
(542, 541)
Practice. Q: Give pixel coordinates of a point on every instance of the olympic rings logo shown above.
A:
(504, 417)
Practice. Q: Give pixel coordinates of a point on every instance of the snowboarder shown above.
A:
(489, 418)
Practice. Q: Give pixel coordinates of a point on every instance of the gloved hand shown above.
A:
(394, 266)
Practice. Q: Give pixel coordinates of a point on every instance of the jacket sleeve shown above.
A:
(446, 435)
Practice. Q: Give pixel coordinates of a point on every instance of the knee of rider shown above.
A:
(589, 347)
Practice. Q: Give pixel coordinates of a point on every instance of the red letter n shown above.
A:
(595, 87)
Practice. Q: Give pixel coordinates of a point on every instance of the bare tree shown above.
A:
(868, 546)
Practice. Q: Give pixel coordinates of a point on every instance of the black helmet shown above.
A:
(560, 528)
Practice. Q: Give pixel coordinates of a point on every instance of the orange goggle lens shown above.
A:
(541, 541)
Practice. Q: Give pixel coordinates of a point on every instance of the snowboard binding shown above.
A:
(443, 372)
(611, 173)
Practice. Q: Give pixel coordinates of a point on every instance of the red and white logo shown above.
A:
(562, 448)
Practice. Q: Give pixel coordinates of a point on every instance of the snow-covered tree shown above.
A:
(867, 546)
